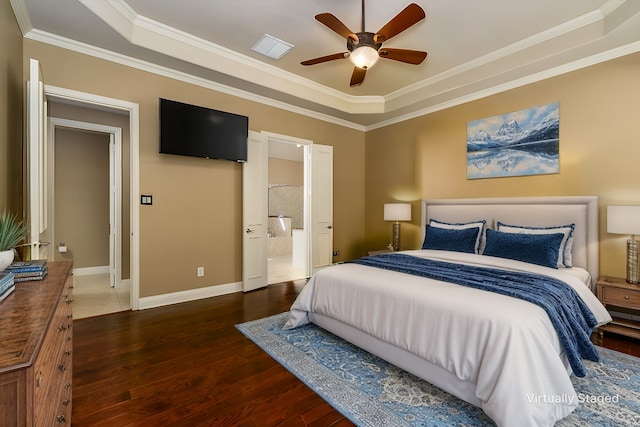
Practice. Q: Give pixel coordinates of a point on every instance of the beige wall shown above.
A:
(82, 197)
(11, 88)
(599, 152)
(282, 171)
(196, 218)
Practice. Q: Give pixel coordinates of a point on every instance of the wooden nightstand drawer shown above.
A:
(621, 297)
(616, 292)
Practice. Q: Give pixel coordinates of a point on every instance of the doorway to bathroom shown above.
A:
(286, 243)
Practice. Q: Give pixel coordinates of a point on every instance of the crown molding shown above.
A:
(502, 54)
(96, 52)
(593, 22)
(118, 58)
(513, 84)
(493, 73)
(22, 15)
(145, 32)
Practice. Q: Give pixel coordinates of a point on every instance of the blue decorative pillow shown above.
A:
(446, 239)
(565, 258)
(478, 226)
(540, 249)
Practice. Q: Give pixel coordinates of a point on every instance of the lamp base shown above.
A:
(396, 237)
(633, 271)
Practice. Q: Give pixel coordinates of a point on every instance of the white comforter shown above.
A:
(505, 346)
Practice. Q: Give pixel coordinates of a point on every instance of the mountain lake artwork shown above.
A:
(514, 144)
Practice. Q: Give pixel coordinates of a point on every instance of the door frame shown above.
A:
(115, 190)
(133, 110)
(36, 163)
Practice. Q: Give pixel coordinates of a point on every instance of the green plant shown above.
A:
(12, 231)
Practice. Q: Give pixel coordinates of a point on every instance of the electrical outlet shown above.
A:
(200, 271)
(336, 253)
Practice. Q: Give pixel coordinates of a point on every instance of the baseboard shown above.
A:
(87, 271)
(190, 295)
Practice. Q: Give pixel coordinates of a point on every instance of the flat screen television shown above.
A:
(189, 130)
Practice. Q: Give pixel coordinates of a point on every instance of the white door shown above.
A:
(321, 206)
(255, 213)
(37, 163)
(115, 208)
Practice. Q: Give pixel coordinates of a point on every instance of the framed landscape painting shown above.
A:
(521, 143)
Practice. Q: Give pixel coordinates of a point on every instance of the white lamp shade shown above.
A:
(623, 219)
(397, 212)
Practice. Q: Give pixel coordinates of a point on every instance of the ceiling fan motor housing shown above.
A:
(364, 39)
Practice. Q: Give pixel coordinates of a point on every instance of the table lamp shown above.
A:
(397, 212)
(626, 220)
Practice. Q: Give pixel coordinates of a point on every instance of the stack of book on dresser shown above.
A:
(7, 284)
(24, 271)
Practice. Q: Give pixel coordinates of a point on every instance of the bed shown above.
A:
(500, 353)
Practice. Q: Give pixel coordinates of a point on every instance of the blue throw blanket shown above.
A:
(571, 317)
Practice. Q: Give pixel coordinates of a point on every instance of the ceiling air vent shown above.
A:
(272, 47)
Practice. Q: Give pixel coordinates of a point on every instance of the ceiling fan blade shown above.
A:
(409, 16)
(414, 57)
(336, 25)
(327, 58)
(358, 76)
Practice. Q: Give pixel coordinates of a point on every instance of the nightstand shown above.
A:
(616, 292)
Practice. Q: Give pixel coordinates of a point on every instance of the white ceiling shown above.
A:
(475, 47)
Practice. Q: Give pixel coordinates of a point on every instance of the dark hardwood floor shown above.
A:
(187, 365)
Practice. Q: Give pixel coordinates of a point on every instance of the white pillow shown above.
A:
(463, 225)
(564, 255)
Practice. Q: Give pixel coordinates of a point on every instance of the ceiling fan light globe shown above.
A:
(364, 56)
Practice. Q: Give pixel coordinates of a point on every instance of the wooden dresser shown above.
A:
(35, 351)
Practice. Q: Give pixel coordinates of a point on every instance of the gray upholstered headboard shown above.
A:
(530, 211)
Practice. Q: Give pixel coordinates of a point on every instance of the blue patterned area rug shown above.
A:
(371, 392)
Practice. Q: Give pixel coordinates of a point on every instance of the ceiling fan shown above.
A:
(364, 48)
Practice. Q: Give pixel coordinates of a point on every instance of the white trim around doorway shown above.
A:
(112, 104)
